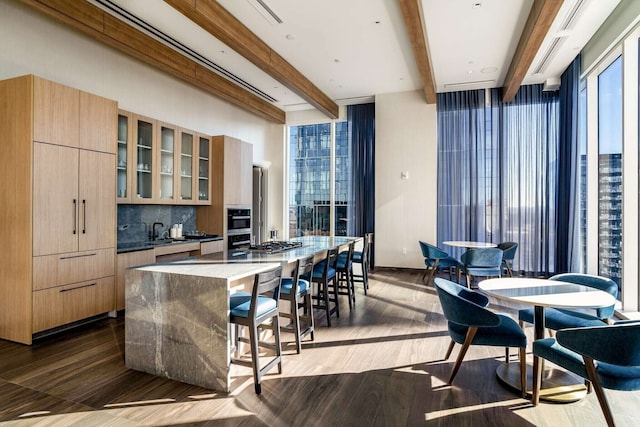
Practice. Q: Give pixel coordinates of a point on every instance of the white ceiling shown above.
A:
(355, 49)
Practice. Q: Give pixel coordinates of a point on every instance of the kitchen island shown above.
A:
(177, 314)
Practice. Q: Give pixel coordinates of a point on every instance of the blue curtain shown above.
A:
(527, 138)
(362, 135)
(497, 173)
(568, 249)
(462, 119)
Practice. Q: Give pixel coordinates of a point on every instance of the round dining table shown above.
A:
(557, 385)
(469, 244)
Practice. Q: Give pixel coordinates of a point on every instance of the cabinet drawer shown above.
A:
(65, 304)
(61, 269)
(211, 247)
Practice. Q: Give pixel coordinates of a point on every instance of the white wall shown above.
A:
(31, 43)
(405, 209)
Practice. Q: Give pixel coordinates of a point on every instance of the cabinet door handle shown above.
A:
(77, 287)
(75, 216)
(77, 256)
(84, 216)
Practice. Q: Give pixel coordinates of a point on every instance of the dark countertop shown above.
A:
(149, 244)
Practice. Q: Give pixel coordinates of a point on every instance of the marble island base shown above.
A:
(177, 320)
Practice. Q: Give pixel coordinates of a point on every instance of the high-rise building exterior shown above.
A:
(610, 217)
(310, 179)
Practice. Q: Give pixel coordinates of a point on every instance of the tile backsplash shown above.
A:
(135, 221)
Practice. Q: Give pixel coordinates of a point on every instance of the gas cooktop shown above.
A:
(275, 246)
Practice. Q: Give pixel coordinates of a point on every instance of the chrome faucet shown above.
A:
(153, 230)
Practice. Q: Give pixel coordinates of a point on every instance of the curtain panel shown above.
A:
(568, 244)
(497, 172)
(461, 139)
(362, 135)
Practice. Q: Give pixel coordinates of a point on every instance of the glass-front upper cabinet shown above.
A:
(187, 161)
(204, 163)
(167, 162)
(123, 183)
(144, 131)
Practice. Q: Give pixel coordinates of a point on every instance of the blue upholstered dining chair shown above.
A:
(607, 356)
(484, 262)
(560, 318)
(470, 323)
(508, 254)
(297, 291)
(324, 276)
(362, 258)
(435, 259)
(252, 310)
(344, 271)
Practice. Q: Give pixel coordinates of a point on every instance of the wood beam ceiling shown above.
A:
(412, 14)
(221, 24)
(541, 16)
(111, 31)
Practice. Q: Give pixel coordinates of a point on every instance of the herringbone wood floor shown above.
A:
(380, 364)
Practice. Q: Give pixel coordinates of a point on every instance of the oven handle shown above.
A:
(240, 242)
(240, 217)
(235, 232)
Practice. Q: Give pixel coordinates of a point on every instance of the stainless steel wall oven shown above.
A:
(238, 228)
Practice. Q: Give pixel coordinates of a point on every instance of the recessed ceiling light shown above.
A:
(336, 60)
(487, 70)
(377, 22)
(470, 72)
(477, 5)
(290, 36)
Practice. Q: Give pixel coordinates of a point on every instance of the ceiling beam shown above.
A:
(412, 14)
(541, 16)
(221, 24)
(94, 22)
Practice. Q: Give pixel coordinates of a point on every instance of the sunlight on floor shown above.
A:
(447, 412)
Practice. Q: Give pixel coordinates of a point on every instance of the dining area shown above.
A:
(577, 345)
(379, 364)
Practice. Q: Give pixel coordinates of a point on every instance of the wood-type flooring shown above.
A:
(379, 365)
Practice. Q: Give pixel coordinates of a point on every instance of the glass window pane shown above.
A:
(610, 172)
(309, 179)
(343, 191)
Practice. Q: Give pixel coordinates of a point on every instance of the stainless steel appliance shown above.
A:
(275, 247)
(238, 228)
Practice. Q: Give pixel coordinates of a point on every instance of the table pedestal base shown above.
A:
(557, 385)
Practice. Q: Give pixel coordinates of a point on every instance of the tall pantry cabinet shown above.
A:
(57, 206)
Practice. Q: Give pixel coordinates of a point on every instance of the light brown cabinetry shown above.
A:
(160, 163)
(73, 199)
(204, 165)
(65, 304)
(57, 206)
(125, 157)
(231, 182)
(234, 166)
(211, 247)
(129, 260)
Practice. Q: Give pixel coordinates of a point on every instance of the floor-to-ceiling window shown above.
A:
(610, 172)
(319, 161)
(613, 171)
